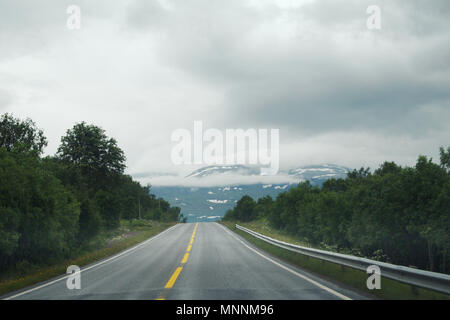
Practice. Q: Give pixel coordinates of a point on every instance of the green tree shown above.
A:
(359, 174)
(245, 209)
(21, 136)
(87, 147)
(397, 214)
(90, 221)
(109, 206)
(388, 168)
(50, 207)
(264, 207)
(445, 158)
(229, 215)
(38, 216)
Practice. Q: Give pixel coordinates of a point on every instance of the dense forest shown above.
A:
(50, 206)
(394, 214)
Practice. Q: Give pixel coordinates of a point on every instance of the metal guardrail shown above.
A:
(416, 277)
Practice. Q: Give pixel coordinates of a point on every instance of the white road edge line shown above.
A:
(289, 269)
(90, 267)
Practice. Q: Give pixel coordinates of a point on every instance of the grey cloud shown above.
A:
(312, 70)
(28, 27)
(321, 84)
(399, 18)
(143, 14)
(5, 99)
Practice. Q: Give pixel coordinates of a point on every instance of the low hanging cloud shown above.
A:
(339, 92)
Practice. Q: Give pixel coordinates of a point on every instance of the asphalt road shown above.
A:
(191, 261)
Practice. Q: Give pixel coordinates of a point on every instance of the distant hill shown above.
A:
(225, 169)
(211, 203)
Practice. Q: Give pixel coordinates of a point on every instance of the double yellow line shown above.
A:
(178, 270)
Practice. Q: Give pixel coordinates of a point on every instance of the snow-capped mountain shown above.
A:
(316, 174)
(208, 203)
(211, 203)
(225, 169)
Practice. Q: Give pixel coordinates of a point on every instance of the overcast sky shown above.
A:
(339, 92)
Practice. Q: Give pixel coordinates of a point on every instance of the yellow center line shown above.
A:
(177, 272)
(185, 258)
(173, 278)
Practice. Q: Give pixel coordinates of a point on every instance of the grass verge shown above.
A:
(390, 289)
(105, 245)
